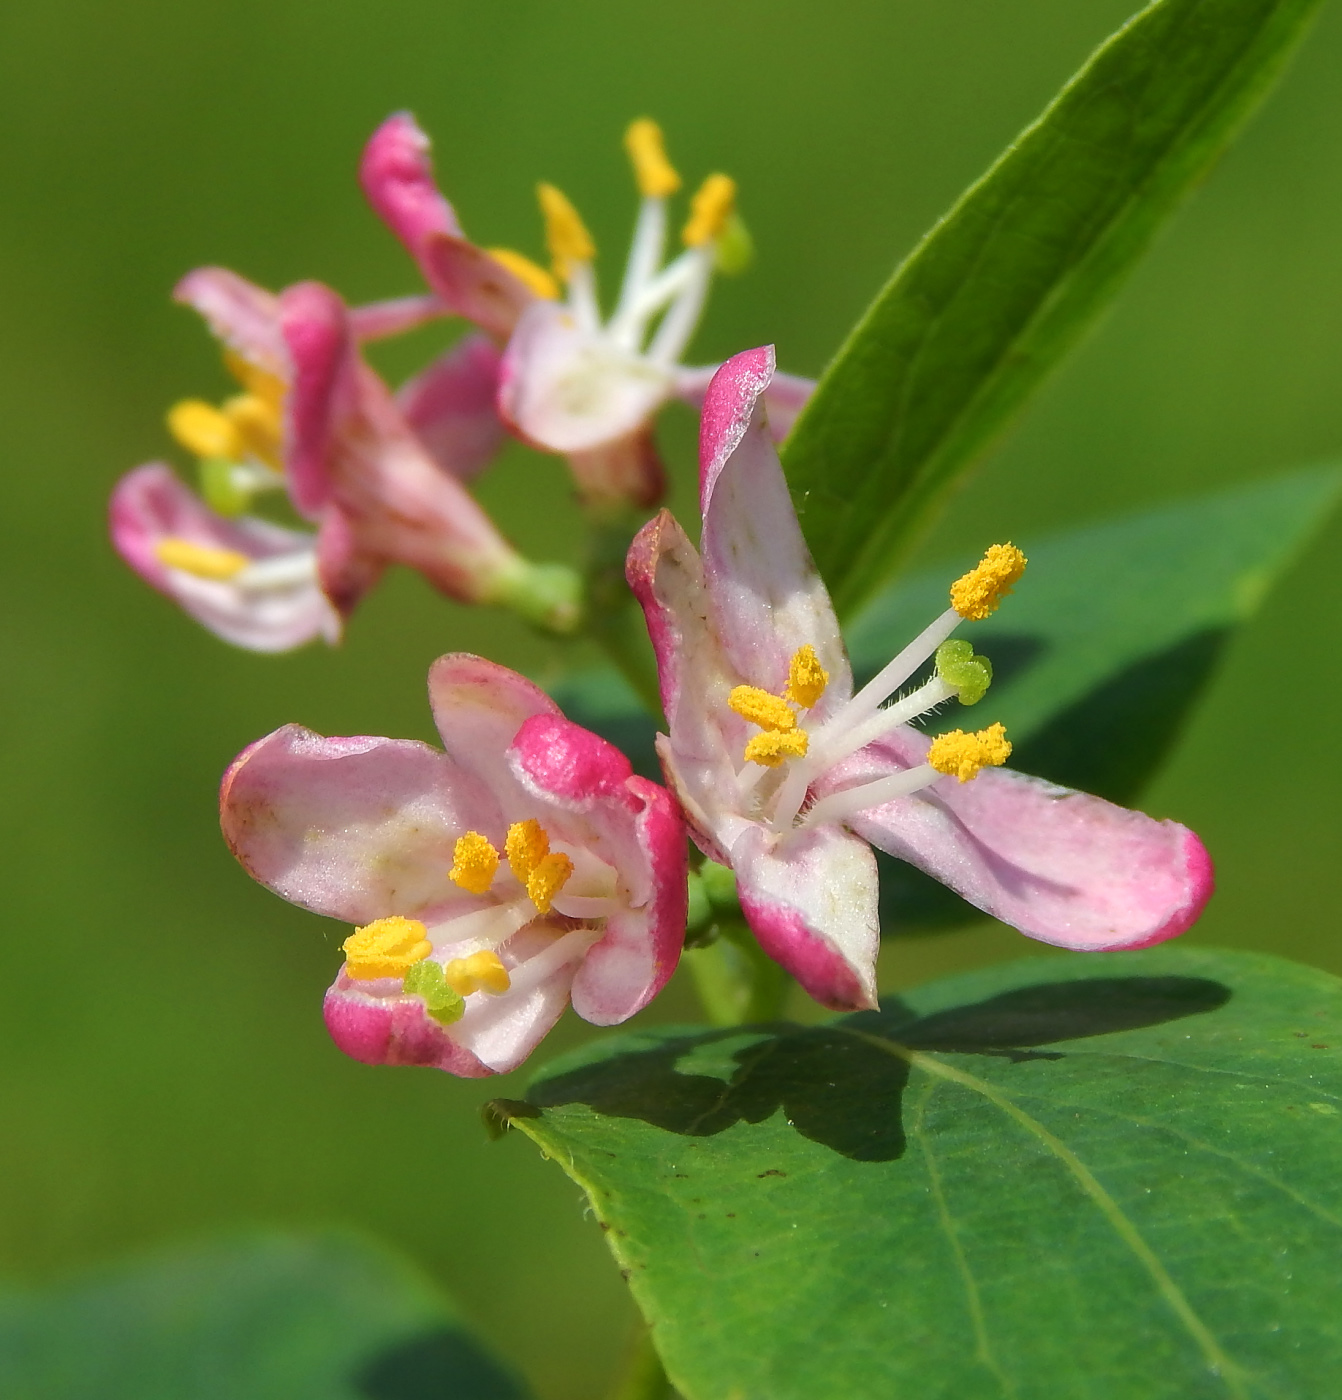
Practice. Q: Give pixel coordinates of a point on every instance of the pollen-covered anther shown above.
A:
(258, 425)
(550, 875)
(976, 594)
(963, 756)
(760, 707)
(565, 233)
(711, 207)
(526, 846)
(481, 972)
(266, 386)
(656, 176)
(773, 747)
(387, 947)
(474, 863)
(201, 560)
(807, 678)
(205, 430)
(530, 274)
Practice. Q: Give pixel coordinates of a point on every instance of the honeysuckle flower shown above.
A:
(315, 422)
(490, 883)
(789, 778)
(569, 381)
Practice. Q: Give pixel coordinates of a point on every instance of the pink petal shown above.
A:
(394, 1031)
(811, 903)
(767, 597)
(450, 405)
(241, 314)
(379, 319)
(150, 505)
(567, 390)
(784, 398)
(350, 446)
(358, 828)
(1059, 865)
(346, 570)
(397, 176)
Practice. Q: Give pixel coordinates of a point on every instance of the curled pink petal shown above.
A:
(1058, 865)
(451, 407)
(241, 314)
(784, 397)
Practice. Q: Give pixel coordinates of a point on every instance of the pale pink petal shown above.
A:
(150, 505)
(451, 406)
(379, 319)
(241, 314)
(768, 599)
(1058, 865)
(357, 828)
(812, 907)
(784, 398)
(567, 390)
(397, 176)
(345, 569)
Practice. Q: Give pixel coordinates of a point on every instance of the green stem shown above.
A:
(737, 982)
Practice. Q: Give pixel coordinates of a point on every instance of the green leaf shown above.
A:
(264, 1317)
(1103, 1176)
(1004, 285)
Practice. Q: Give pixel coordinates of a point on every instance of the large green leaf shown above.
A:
(1108, 1177)
(1002, 287)
(266, 1317)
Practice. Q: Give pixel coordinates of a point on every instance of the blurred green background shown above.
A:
(164, 1063)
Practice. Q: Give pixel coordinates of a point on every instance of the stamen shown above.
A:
(527, 272)
(550, 875)
(964, 755)
(656, 176)
(426, 981)
(807, 678)
(258, 425)
(839, 806)
(770, 749)
(565, 233)
(201, 560)
(481, 972)
(977, 594)
(710, 209)
(759, 707)
(258, 381)
(526, 846)
(970, 675)
(385, 948)
(203, 429)
(474, 863)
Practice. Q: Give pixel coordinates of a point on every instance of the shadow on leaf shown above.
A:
(444, 1364)
(845, 1092)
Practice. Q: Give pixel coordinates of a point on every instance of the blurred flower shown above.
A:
(525, 866)
(785, 775)
(315, 421)
(568, 381)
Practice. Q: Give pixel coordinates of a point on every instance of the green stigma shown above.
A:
(735, 249)
(219, 486)
(425, 980)
(970, 675)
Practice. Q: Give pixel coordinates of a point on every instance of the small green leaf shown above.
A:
(263, 1317)
(1111, 1176)
(1004, 285)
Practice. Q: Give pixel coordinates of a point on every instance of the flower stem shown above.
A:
(737, 982)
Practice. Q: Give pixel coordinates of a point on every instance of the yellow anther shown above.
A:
(203, 429)
(963, 755)
(527, 272)
(259, 426)
(385, 948)
(254, 379)
(759, 707)
(549, 876)
(474, 863)
(481, 972)
(527, 845)
(201, 560)
(656, 176)
(710, 209)
(978, 592)
(807, 678)
(565, 233)
(771, 748)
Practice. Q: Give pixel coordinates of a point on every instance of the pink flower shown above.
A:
(314, 421)
(569, 381)
(492, 883)
(786, 776)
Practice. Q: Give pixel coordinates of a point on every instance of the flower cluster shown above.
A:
(524, 866)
